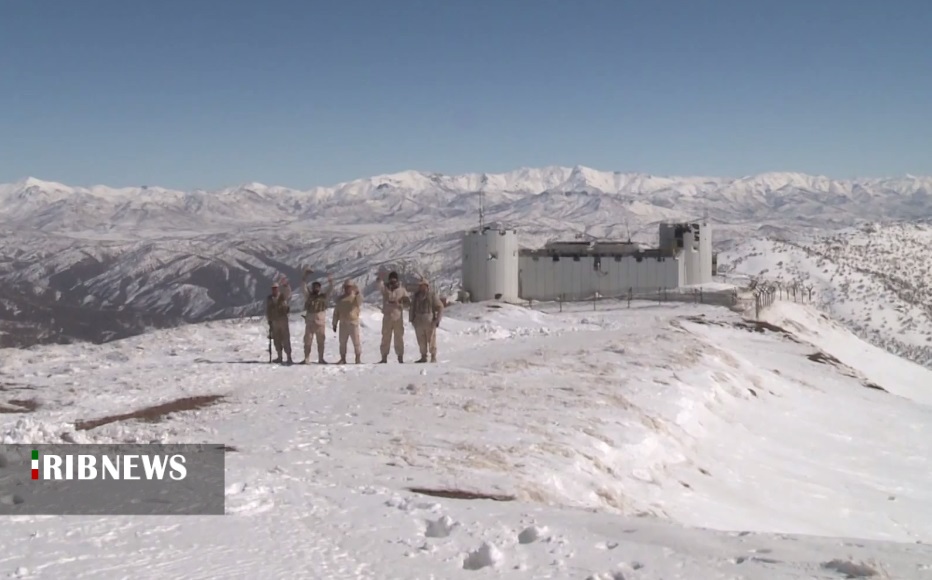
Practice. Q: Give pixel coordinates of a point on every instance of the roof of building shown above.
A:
(596, 250)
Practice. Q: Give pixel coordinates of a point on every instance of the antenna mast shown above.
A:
(481, 217)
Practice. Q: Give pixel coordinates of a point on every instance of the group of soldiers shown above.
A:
(424, 312)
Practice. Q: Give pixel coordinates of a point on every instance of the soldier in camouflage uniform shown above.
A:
(277, 308)
(346, 315)
(425, 314)
(394, 300)
(315, 316)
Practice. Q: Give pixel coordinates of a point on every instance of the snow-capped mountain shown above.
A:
(104, 262)
(423, 197)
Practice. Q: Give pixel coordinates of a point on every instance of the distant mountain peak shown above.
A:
(34, 182)
(411, 196)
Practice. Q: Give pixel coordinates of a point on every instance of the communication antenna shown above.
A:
(481, 216)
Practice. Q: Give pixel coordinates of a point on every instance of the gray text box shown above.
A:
(171, 479)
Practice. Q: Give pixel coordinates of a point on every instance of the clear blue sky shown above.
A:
(210, 93)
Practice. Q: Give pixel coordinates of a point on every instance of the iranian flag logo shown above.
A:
(35, 464)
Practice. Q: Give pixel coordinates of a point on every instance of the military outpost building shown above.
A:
(496, 268)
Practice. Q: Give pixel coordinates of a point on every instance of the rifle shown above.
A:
(270, 343)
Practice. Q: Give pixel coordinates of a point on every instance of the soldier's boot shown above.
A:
(433, 358)
(423, 359)
(358, 359)
(279, 359)
(321, 361)
(291, 362)
(384, 360)
(401, 359)
(342, 360)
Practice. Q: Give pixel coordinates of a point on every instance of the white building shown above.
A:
(494, 268)
(490, 264)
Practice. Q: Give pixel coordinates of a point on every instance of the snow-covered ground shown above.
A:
(873, 278)
(660, 441)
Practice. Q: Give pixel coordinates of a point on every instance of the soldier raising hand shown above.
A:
(394, 300)
(346, 316)
(315, 316)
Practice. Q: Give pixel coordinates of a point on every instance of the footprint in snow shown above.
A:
(531, 534)
(440, 528)
(486, 555)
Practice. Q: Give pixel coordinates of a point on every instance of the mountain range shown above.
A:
(98, 263)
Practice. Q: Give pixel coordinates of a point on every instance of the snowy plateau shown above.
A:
(660, 441)
(600, 441)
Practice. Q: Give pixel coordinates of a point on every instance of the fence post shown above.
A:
(630, 295)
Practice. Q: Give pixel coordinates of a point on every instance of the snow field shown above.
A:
(626, 436)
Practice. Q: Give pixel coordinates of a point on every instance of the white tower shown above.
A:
(490, 264)
(692, 242)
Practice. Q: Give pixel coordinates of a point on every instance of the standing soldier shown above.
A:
(277, 308)
(426, 310)
(346, 313)
(315, 316)
(394, 300)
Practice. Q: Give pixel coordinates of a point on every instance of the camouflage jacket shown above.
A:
(394, 301)
(315, 305)
(347, 309)
(425, 307)
(277, 308)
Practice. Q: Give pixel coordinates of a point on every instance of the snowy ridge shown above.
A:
(425, 196)
(874, 278)
(625, 436)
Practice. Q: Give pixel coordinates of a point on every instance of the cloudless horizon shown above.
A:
(210, 94)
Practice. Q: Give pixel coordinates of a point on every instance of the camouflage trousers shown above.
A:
(350, 331)
(392, 329)
(312, 330)
(426, 332)
(281, 336)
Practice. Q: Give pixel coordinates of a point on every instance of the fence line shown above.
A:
(767, 292)
(728, 298)
(751, 300)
